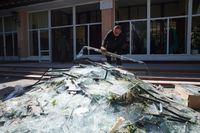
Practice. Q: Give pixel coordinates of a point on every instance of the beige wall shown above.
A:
(108, 19)
(22, 34)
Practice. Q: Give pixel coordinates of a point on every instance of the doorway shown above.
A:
(62, 44)
(39, 44)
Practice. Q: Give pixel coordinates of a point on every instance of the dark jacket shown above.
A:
(113, 43)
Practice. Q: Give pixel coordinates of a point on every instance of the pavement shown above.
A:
(8, 84)
(157, 69)
(12, 82)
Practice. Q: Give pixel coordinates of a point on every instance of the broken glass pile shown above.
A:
(94, 98)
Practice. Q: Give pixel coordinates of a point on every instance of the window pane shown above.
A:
(125, 30)
(165, 8)
(44, 53)
(159, 37)
(123, 13)
(82, 18)
(9, 24)
(195, 35)
(1, 45)
(196, 6)
(38, 20)
(33, 41)
(95, 37)
(139, 37)
(61, 17)
(130, 9)
(177, 36)
(95, 16)
(44, 40)
(155, 10)
(15, 45)
(62, 44)
(9, 44)
(81, 38)
(88, 13)
(1, 25)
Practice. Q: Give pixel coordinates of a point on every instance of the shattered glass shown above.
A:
(94, 98)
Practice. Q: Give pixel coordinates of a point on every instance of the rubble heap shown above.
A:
(94, 98)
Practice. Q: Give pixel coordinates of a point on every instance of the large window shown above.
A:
(88, 36)
(196, 7)
(81, 37)
(177, 35)
(159, 37)
(10, 24)
(133, 14)
(88, 14)
(88, 27)
(39, 34)
(130, 9)
(38, 20)
(1, 45)
(62, 44)
(9, 44)
(195, 35)
(1, 38)
(139, 37)
(126, 31)
(95, 37)
(8, 36)
(165, 8)
(33, 42)
(168, 25)
(172, 39)
(1, 25)
(62, 34)
(44, 42)
(61, 17)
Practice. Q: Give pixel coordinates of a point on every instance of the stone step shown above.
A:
(36, 66)
(21, 72)
(23, 76)
(165, 70)
(157, 78)
(38, 69)
(164, 81)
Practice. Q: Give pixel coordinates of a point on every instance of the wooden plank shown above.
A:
(190, 93)
(194, 102)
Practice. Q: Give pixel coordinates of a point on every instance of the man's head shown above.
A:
(117, 30)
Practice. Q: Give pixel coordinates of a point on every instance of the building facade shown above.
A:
(156, 30)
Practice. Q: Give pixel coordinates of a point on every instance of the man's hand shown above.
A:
(103, 50)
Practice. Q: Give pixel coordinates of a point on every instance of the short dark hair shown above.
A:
(118, 27)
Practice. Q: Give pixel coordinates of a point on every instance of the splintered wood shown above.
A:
(190, 93)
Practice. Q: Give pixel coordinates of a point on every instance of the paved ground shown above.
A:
(12, 82)
(7, 84)
(154, 69)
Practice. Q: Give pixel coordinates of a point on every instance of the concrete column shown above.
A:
(22, 34)
(107, 15)
(189, 27)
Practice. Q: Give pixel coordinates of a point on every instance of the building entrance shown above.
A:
(62, 44)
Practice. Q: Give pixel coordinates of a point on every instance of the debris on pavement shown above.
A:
(94, 98)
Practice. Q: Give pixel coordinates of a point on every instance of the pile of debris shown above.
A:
(94, 98)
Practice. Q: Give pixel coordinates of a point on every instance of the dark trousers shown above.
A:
(118, 61)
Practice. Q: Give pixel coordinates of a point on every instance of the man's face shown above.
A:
(117, 31)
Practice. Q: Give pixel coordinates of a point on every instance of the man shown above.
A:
(113, 42)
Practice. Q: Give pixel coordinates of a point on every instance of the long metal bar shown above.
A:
(108, 54)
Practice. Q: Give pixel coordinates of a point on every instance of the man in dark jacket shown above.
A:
(113, 42)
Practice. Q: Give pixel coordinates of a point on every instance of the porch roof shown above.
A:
(7, 4)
